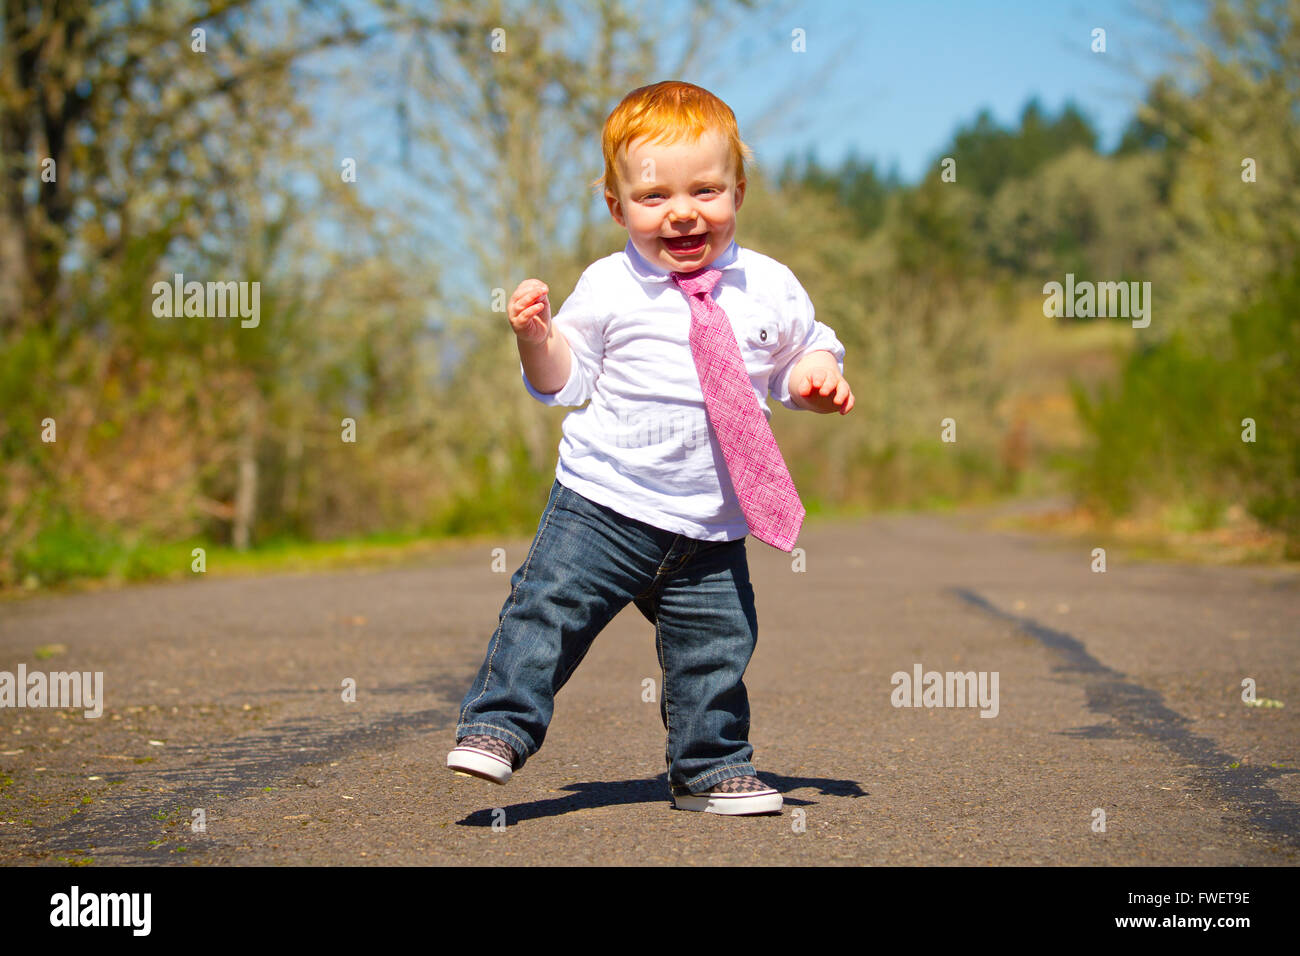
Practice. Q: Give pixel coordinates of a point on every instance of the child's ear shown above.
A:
(615, 208)
(740, 194)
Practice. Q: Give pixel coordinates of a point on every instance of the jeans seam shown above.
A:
(496, 637)
(663, 669)
(663, 565)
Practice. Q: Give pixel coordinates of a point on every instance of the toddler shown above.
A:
(677, 341)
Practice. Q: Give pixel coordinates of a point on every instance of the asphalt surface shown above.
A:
(1118, 692)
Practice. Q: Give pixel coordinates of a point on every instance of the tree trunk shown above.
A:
(246, 489)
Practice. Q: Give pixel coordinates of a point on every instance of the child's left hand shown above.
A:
(822, 389)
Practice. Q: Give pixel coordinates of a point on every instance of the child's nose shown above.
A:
(680, 210)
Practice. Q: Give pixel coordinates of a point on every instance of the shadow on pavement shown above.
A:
(610, 793)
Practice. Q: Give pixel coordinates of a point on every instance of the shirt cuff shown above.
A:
(567, 395)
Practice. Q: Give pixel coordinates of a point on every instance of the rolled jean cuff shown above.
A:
(712, 778)
(517, 743)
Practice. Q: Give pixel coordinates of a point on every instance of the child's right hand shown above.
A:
(529, 311)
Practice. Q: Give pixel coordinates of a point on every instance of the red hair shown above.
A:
(665, 113)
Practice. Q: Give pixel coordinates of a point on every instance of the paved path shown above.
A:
(1118, 692)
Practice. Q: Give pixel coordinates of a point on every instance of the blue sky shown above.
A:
(888, 80)
(893, 79)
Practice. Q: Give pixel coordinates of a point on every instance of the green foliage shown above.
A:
(68, 547)
(933, 232)
(1148, 425)
(1267, 339)
(1095, 216)
(989, 155)
(1171, 428)
(855, 185)
(1161, 128)
(506, 503)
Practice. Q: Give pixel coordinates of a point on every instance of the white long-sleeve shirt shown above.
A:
(643, 445)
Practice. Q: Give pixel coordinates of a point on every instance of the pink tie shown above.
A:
(758, 473)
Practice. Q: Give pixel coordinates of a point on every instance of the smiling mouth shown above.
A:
(687, 245)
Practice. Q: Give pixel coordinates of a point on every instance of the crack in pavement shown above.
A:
(1142, 712)
(236, 768)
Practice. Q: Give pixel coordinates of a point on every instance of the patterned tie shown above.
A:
(758, 473)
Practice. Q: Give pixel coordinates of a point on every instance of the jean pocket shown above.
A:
(569, 500)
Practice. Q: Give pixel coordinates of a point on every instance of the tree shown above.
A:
(990, 155)
(132, 136)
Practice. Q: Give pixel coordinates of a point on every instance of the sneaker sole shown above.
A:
(479, 763)
(732, 804)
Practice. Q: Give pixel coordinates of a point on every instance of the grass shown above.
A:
(1178, 532)
(1161, 534)
(172, 562)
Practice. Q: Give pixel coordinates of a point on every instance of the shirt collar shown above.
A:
(649, 272)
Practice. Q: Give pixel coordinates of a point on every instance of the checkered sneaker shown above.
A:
(735, 796)
(493, 745)
(740, 785)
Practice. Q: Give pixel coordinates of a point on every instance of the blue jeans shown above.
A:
(586, 563)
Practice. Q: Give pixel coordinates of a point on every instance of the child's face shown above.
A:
(678, 202)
